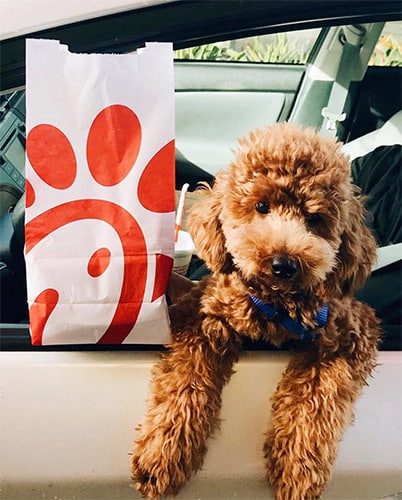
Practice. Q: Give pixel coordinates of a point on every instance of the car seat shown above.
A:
(387, 135)
(376, 169)
(12, 265)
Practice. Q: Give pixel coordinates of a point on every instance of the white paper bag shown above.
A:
(100, 194)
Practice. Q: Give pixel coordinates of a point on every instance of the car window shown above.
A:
(227, 88)
(388, 51)
(288, 48)
(223, 89)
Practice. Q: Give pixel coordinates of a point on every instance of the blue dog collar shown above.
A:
(282, 318)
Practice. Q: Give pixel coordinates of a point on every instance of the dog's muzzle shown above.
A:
(284, 267)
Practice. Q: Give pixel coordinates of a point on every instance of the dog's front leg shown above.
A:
(306, 426)
(183, 408)
(312, 406)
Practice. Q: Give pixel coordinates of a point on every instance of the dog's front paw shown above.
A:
(293, 476)
(144, 482)
(150, 480)
(158, 465)
(157, 479)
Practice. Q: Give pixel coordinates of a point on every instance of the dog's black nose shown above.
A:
(284, 267)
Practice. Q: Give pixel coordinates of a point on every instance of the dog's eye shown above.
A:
(262, 207)
(313, 220)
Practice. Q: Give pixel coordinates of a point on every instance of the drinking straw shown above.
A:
(180, 210)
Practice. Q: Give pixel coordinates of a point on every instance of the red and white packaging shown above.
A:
(99, 194)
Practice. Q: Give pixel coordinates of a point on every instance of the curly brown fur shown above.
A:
(287, 196)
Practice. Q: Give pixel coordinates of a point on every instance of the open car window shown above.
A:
(223, 89)
(284, 48)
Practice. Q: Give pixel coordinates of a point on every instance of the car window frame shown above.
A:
(125, 32)
(16, 337)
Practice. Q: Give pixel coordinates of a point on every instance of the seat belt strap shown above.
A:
(333, 113)
(387, 255)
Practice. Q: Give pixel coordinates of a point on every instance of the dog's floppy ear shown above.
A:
(357, 251)
(206, 230)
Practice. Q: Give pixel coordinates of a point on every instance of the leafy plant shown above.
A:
(256, 49)
(281, 50)
(209, 52)
(388, 52)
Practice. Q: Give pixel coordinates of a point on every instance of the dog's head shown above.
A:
(285, 215)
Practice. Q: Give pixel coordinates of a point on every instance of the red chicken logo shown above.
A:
(115, 277)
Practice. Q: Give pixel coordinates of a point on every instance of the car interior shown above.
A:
(218, 102)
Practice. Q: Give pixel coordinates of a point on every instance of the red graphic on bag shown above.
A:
(112, 147)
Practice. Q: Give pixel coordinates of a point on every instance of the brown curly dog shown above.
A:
(283, 234)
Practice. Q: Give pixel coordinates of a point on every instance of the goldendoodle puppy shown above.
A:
(283, 234)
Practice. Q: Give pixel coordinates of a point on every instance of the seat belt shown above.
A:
(353, 39)
(387, 255)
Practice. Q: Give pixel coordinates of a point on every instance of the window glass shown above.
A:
(388, 51)
(287, 48)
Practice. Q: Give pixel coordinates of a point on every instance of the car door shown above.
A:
(63, 451)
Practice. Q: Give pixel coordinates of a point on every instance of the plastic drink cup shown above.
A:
(183, 251)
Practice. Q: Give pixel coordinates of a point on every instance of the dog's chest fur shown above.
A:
(226, 298)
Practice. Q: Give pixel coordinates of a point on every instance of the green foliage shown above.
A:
(281, 49)
(210, 52)
(277, 50)
(388, 52)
